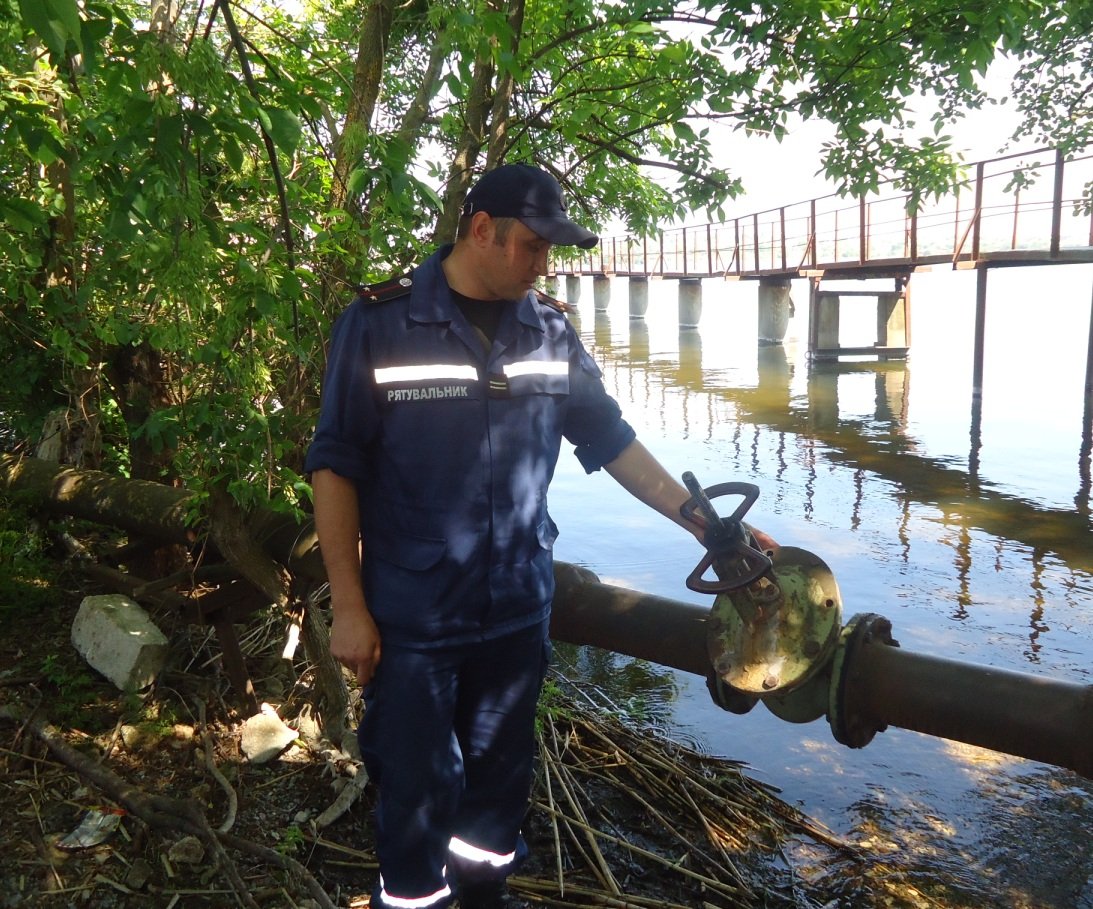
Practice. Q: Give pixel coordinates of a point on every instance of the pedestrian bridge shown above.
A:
(1029, 208)
(1021, 209)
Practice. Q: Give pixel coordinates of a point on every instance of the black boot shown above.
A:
(488, 895)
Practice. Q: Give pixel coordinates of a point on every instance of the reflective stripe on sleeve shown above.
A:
(474, 854)
(537, 368)
(390, 374)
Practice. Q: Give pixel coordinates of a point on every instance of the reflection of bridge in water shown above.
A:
(879, 445)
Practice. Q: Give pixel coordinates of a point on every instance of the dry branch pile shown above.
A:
(631, 818)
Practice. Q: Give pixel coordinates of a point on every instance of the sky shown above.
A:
(778, 173)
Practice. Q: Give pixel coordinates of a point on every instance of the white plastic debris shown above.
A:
(95, 827)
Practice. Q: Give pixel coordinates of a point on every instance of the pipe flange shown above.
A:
(850, 724)
(728, 698)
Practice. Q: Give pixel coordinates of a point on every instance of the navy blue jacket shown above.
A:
(452, 451)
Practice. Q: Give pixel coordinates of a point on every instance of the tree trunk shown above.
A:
(80, 422)
(151, 510)
(409, 131)
(502, 98)
(375, 36)
(412, 121)
(141, 388)
(162, 19)
(476, 121)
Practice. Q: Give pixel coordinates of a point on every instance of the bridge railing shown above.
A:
(1011, 206)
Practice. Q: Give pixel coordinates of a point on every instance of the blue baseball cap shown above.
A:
(534, 198)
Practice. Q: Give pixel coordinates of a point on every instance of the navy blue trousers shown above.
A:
(448, 735)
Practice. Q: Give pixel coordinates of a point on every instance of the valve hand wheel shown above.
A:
(730, 548)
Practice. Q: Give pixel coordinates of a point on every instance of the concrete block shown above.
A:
(119, 640)
(265, 736)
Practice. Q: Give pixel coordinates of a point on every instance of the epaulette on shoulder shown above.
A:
(383, 291)
(554, 303)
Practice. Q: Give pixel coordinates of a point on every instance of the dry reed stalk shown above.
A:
(600, 775)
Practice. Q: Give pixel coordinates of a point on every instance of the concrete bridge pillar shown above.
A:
(572, 289)
(601, 292)
(690, 302)
(827, 320)
(639, 296)
(775, 309)
(891, 320)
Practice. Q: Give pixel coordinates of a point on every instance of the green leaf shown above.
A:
(357, 181)
(265, 121)
(40, 142)
(233, 154)
(429, 193)
(19, 213)
(126, 332)
(49, 30)
(266, 303)
(684, 132)
(68, 13)
(283, 127)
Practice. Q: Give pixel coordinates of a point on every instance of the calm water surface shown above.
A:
(969, 529)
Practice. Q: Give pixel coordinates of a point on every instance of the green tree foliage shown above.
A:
(188, 189)
(1054, 83)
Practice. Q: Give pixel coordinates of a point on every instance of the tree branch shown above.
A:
(631, 158)
(271, 149)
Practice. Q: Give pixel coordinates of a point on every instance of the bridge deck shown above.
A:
(1032, 211)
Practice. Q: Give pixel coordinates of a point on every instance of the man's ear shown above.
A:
(482, 228)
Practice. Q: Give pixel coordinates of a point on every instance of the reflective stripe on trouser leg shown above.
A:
(407, 746)
(380, 897)
(495, 725)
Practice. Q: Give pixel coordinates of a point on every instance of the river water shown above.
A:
(969, 529)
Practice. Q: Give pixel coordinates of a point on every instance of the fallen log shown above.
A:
(167, 514)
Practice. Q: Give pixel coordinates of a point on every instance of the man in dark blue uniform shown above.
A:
(446, 398)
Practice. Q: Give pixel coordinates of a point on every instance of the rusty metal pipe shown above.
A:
(1017, 713)
(630, 622)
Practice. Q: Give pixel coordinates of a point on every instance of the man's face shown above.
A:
(514, 262)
